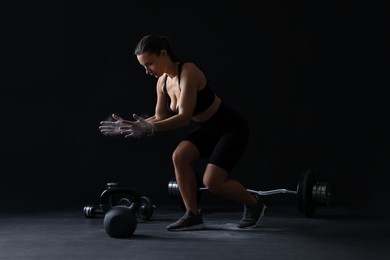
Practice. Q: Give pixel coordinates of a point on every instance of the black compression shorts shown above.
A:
(223, 138)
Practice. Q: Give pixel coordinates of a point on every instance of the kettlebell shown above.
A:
(120, 222)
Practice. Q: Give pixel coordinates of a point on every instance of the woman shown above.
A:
(221, 134)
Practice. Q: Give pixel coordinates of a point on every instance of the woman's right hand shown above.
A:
(115, 127)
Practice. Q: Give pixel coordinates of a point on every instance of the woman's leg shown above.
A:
(217, 181)
(184, 157)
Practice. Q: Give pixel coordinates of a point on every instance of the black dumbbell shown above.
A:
(145, 209)
(114, 195)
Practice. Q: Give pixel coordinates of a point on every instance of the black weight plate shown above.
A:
(300, 195)
(145, 211)
(89, 211)
(173, 191)
(307, 194)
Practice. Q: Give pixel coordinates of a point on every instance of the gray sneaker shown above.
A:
(188, 222)
(252, 216)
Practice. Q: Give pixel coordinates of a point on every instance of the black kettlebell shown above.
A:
(120, 221)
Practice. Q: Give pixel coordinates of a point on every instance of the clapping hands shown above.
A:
(137, 128)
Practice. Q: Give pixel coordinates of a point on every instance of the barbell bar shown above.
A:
(310, 193)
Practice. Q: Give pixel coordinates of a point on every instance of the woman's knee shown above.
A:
(185, 154)
(214, 178)
(212, 184)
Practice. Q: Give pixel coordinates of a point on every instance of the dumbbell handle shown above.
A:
(264, 193)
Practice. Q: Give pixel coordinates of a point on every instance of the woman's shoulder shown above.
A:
(191, 71)
(190, 66)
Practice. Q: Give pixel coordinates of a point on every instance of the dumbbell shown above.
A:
(310, 193)
(114, 195)
(145, 208)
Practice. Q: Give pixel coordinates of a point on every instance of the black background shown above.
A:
(311, 77)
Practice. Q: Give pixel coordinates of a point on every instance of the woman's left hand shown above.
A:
(138, 128)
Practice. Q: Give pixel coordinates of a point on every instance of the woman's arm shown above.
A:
(161, 112)
(191, 78)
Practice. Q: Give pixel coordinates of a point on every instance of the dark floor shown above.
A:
(283, 234)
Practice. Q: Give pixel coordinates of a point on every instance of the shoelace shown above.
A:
(186, 216)
(248, 212)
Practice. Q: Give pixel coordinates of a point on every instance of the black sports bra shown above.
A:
(204, 100)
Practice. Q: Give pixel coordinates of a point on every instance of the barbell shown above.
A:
(309, 192)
